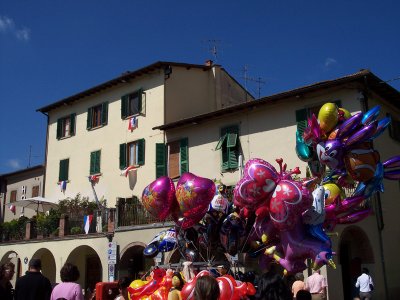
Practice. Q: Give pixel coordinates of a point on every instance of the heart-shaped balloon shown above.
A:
(259, 182)
(193, 194)
(158, 198)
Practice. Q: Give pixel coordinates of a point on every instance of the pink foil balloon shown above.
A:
(158, 197)
(194, 195)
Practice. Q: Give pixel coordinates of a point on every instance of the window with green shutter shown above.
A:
(230, 148)
(97, 116)
(66, 126)
(63, 171)
(184, 156)
(161, 163)
(132, 104)
(132, 154)
(95, 162)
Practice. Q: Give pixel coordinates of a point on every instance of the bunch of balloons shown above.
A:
(276, 215)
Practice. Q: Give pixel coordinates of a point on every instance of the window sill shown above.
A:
(97, 127)
(65, 137)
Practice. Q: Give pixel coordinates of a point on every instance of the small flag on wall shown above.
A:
(132, 123)
(63, 185)
(94, 178)
(125, 172)
(12, 208)
(87, 220)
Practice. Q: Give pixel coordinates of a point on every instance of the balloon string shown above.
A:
(247, 238)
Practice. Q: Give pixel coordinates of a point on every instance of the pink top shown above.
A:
(316, 283)
(67, 290)
(297, 286)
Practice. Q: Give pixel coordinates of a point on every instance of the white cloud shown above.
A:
(330, 61)
(14, 164)
(7, 25)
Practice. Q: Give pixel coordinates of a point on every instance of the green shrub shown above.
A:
(76, 230)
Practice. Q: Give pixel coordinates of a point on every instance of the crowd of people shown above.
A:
(270, 286)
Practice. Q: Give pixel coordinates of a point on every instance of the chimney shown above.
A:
(208, 63)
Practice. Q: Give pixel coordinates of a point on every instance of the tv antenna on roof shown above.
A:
(213, 48)
(258, 80)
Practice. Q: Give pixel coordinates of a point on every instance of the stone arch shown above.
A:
(132, 261)
(353, 251)
(12, 256)
(48, 263)
(89, 265)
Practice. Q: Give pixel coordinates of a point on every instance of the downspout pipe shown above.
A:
(45, 155)
(363, 98)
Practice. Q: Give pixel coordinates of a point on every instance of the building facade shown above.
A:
(169, 118)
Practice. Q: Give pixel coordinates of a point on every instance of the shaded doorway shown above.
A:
(89, 265)
(354, 250)
(133, 263)
(48, 263)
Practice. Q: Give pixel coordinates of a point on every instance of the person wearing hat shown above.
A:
(33, 285)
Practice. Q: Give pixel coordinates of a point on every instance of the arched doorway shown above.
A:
(133, 263)
(48, 263)
(354, 250)
(89, 265)
(13, 257)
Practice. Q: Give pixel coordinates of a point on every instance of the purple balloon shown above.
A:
(158, 198)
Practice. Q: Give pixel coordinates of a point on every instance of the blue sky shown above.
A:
(50, 50)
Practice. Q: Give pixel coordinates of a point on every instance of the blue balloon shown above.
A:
(303, 151)
(151, 250)
(371, 115)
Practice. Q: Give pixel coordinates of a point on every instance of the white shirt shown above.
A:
(363, 283)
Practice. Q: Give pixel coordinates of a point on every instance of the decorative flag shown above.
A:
(12, 208)
(125, 172)
(87, 220)
(93, 178)
(63, 185)
(132, 124)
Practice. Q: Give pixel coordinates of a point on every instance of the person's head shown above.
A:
(303, 295)
(177, 281)
(7, 271)
(69, 273)
(206, 288)
(35, 265)
(222, 269)
(123, 284)
(272, 287)
(299, 276)
(365, 270)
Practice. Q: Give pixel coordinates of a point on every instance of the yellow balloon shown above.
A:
(137, 283)
(328, 117)
(332, 190)
(346, 113)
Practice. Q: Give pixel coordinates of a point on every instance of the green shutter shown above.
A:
(231, 140)
(140, 100)
(184, 157)
(122, 156)
(89, 118)
(72, 124)
(161, 167)
(92, 163)
(301, 120)
(59, 129)
(104, 113)
(233, 158)
(221, 142)
(141, 149)
(124, 106)
(63, 174)
(98, 159)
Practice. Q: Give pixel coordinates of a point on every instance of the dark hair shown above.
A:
(303, 295)
(299, 276)
(206, 288)
(365, 270)
(35, 263)
(272, 287)
(5, 267)
(181, 282)
(124, 282)
(69, 273)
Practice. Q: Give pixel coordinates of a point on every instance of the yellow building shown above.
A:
(180, 114)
